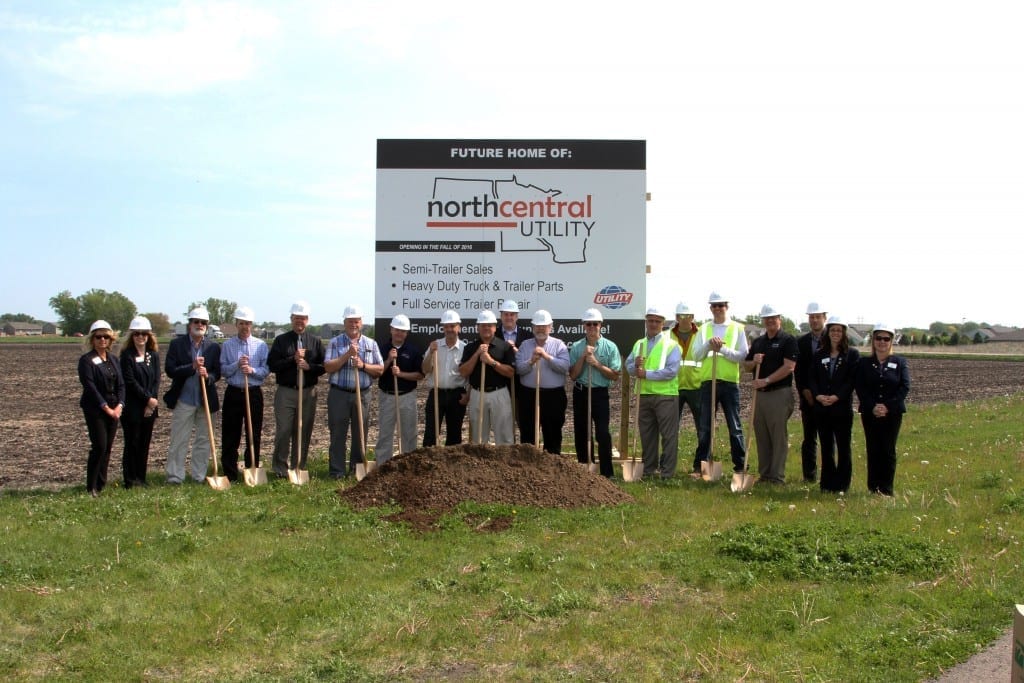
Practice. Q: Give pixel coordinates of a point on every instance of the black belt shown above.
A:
(488, 390)
(307, 387)
(543, 390)
(390, 393)
(441, 391)
(232, 387)
(776, 386)
(577, 386)
(347, 391)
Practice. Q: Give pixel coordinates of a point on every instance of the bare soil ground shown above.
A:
(43, 442)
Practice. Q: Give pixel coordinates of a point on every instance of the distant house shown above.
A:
(23, 329)
(1010, 335)
(51, 328)
(331, 330)
(229, 330)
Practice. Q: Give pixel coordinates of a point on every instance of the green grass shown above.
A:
(690, 582)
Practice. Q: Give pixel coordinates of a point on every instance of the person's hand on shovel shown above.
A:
(393, 361)
(641, 371)
(762, 382)
(539, 353)
(300, 359)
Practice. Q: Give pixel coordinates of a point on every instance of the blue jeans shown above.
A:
(727, 395)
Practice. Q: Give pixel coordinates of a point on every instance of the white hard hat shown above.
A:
(401, 322)
(835, 320)
(450, 318)
(139, 322)
(300, 308)
(508, 306)
(768, 311)
(654, 310)
(716, 298)
(245, 313)
(683, 309)
(99, 325)
(541, 317)
(883, 327)
(815, 307)
(486, 318)
(352, 312)
(199, 313)
(592, 315)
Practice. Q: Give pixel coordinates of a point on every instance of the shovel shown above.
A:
(742, 481)
(633, 470)
(366, 466)
(255, 475)
(591, 465)
(216, 482)
(480, 419)
(437, 403)
(710, 469)
(297, 476)
(536, 411)
(398, 416)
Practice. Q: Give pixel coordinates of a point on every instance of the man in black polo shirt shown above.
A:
(777, 353)
(402, 362)
(298, 349)
(498, 359)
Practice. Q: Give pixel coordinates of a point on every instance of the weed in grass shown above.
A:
(1013, 502)
(829, 551)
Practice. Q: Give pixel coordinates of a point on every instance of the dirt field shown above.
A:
(43, 442)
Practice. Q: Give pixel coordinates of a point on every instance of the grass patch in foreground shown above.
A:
(691, 581)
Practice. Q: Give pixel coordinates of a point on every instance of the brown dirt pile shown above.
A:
(429, 482)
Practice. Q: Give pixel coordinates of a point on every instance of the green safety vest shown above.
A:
(656, 361)
(728, 371)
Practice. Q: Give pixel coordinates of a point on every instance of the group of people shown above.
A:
(515, 378)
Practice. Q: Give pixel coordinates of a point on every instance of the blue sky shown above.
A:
(867, 156)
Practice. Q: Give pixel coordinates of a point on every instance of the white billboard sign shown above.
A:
(552, 224)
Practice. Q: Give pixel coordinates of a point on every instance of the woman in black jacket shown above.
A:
(102, 401)
(140, 365)
(882, 385)
(830, 379)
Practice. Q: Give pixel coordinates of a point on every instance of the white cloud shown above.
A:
(174, 51)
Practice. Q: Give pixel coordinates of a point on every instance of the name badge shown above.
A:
(891, 365)
(96, 360)
(824, 361)
(140, 359)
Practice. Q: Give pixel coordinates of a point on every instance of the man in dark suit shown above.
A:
(193, 364)
(808, 345)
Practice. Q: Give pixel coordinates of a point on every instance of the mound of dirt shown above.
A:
(429, 482)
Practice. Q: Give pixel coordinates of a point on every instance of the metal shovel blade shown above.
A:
(742, 481)
(594, 467)
(219, 483)
(632, 471)
(298, 477)
(363, 469)
(254, 476)
(710, 471)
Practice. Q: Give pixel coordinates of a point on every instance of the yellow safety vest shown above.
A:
(656, 361)
(728, 371)
(689, 367)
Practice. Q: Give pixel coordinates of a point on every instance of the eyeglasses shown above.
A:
(201, 322)
(105, 337)
(719, 305)
(140, 333)
(883, 339)
(592, 324)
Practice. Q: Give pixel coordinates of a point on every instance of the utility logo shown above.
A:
(527, 217)
(613, 297)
